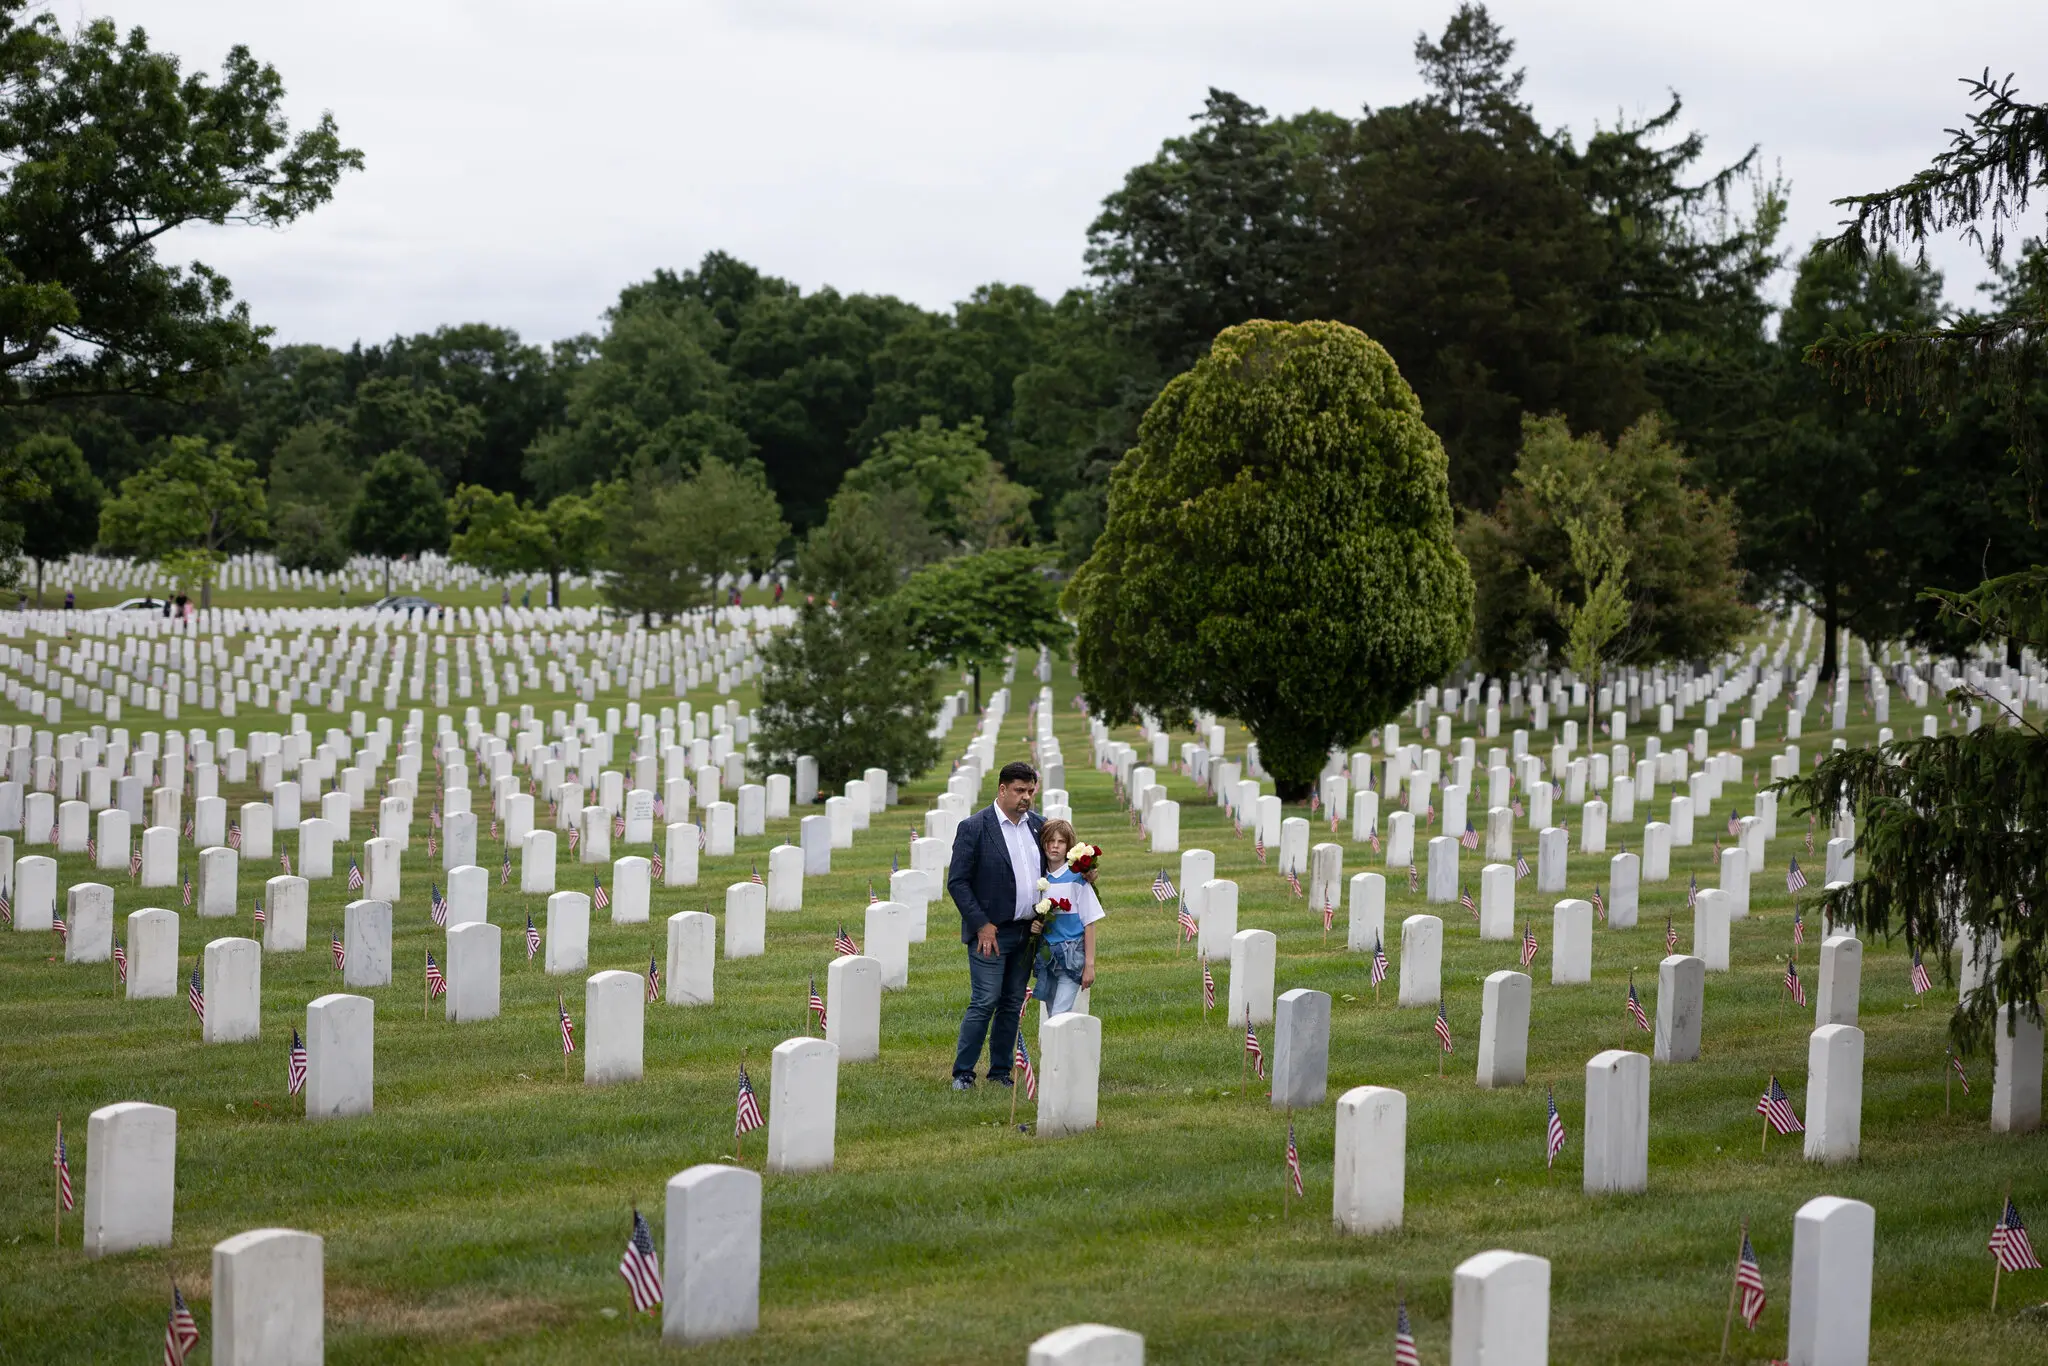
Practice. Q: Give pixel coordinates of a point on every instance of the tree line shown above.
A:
(1585, 323)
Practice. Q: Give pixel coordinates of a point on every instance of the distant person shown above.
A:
(778, 592)
(504, 595)
(526, 597)
(70, 599)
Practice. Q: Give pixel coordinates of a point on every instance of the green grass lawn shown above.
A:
(479, 1214)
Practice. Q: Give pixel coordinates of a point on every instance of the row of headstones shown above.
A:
(1834, 1053)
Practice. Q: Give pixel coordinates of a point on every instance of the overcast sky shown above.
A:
(524, 159)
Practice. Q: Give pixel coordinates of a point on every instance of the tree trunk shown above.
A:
(1827, 649)
(39, 585)
(554, 586)
(387, 576)
(977, 687)
(205, 592)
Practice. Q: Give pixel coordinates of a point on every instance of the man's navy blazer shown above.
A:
(980, 877)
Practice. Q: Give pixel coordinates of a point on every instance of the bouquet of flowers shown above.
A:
(1082, 858)
(1047, 907)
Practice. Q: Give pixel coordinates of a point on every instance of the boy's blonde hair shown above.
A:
(1051, 828)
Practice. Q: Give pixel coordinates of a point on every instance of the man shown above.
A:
(994, 882)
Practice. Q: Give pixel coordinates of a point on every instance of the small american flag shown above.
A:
(262, 916)
(234, 834)
(340, 953)
(747, 1116)
(437, 905)
(1521, 865)
(1208, 985)
(598, 897)
(1956, 1063)
(188, 830)
(1259, 843)
(618, 827)
(1516, 807)
(653, 980)
(505, 869)
(181, 1334)
(640, 1268)
(1775, 1106)
(1553, 1132)
(2009, 1241)
(92, 850)
(434, 816)
(1792, 982)
(1020, 1064)
(574, 836)
(433, 846)
(185, 879)
(284, 861)
(1188, 927)
(1794, 879)
(135, 863)
(494, 827)
(1921, 982)
(1470, 839)
(1294, 882)
(568, 1026)
(1404, 1338)
(756, 879)
(872, 898)
(1798, 928)
(1372, 837)
(1294, 1162)
(1599, 903)
(1379, 962)
(1635, 1006)
(437, 981)
(1528, 942)
(1329, 911)
(817, 1004)
(355, 876)
(1692, 893)
(61, 1160)
(120, 962)
(295, 1066)
(1443, 1026)
(656, 869)
(195, 996)
(1670, 936)
(842, 943)
(1749, 1279)
(1162, 887)
(1414, 877)
(1251, 1044)
(1734, 824)
(59, 928)
(532, 938)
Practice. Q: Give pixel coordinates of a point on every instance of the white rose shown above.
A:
(1043, 906)
(1043, 884)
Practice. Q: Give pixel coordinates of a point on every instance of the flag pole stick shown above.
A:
(739, 1139)
(57, 1211)
(1286, 1177)
(1734, 1287)
(425, 991)
(1013, 1078)
(1766, 1146)
(1998, 1267)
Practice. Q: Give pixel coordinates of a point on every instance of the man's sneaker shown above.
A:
(963, 1083)
(999, 1081)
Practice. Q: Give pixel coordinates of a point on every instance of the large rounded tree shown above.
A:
(1278, 548)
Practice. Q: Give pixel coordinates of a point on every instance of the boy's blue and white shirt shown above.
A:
(1068, 884)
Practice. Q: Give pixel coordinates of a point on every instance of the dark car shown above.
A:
(405, 602)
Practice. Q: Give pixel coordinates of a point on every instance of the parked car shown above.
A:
(405, 602)
(136, 605)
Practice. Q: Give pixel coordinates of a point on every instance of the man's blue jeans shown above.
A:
(995, 1000)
